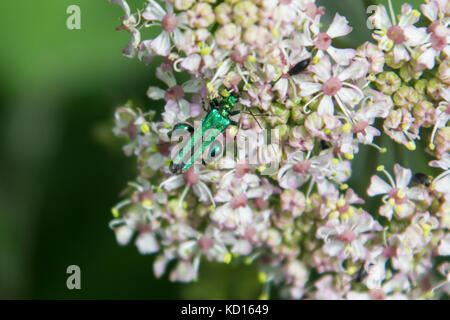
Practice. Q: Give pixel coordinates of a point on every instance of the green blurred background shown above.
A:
(61, 170)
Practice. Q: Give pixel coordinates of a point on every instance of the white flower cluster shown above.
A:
(323, 103)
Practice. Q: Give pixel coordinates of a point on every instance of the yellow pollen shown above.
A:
(145, 128)
(275, 33)
(184, 205)
(391, 201)
(343, 186)
(371, 77)
(115, 212)
(327, 131)
(158, 189)
(205, 50)
(390, 44)
(262, 277)
(426, 229)
(347, 172)
(405, 126)
(383, 150)
(380, 168)
(416, 13)
(348, 156)
(224, 93)
(341, 202)
(400, 193)
(227, 258)
(399, 208)
(211, 208)
(382, 32)
(166, 125)
(432, 146)
(411, 146)
(262, 167)
(147, 203)
(346, 127)
(200, 44)
(315, 60)
(352, 270)
(219, 64)
(251, 58)
(335, 160)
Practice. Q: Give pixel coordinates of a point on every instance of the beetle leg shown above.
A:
(213, 103)
(204, 105)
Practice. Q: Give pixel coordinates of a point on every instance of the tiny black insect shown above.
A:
(361, 274)
(421, 178)
(324, 145)
(299, 67)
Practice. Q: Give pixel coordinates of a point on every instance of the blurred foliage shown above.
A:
(61, 169)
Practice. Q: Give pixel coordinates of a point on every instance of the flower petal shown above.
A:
(402, 176)
(380, 19)
(156, 93)
(378, 186)
(309, 88)
(341, 56)
(322, 69)
(166, 76)
(161, 45)
(339, 27)
(147, 243)
(326, 105)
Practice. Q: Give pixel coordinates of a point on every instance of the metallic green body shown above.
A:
(215, 122)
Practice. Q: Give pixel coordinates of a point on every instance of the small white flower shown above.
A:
(398, 37)
(170, 23)
(398, 197)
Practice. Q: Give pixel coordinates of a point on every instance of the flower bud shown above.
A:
(223, 12)
(245, 13)
(388, 82)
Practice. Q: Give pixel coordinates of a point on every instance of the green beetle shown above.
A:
(204, 137)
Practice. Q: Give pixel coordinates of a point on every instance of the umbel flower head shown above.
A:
(275, 187)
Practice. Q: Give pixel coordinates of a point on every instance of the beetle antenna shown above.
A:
(255, 118)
